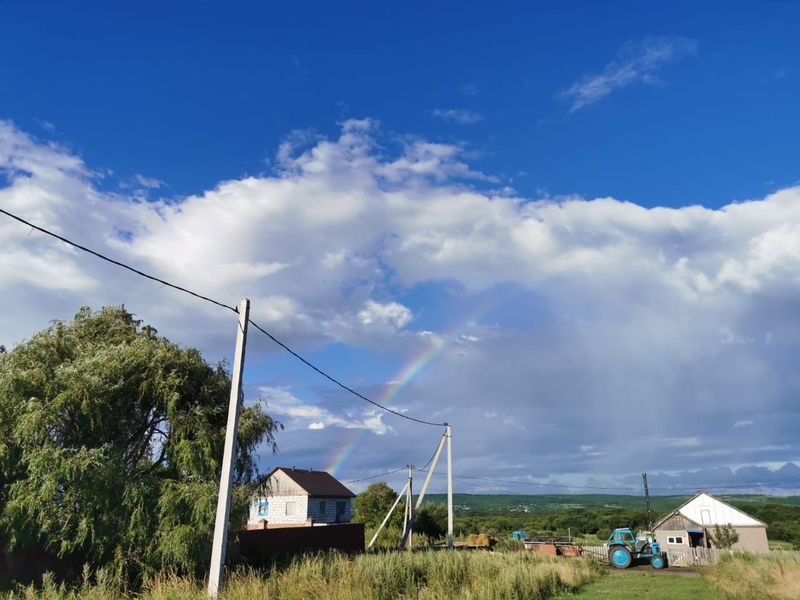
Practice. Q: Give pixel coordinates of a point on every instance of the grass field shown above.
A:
(644, 586)
(406, 576)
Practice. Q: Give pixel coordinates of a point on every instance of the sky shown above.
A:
(571, 230)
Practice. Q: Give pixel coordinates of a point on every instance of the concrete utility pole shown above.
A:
(449, 488)
(389, 514)
(408, 504)
(422, 493)
(229, 457)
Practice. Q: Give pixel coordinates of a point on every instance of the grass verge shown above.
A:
(742, 576)
(426, 576)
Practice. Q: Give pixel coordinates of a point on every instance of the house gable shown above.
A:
(676, 522)
(708, 511)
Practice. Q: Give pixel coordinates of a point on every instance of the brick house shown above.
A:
(298, 497)
(690, 524)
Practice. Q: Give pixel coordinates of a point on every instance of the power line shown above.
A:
(374, 476)
(116, 262)
(339, 383)
(212, 301)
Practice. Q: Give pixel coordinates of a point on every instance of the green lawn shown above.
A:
(633, 586)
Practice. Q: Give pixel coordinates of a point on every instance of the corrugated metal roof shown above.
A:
(316, 483)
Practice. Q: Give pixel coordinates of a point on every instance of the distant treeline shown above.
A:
(782, 518)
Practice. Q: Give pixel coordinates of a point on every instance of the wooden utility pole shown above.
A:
(449, 487)
(229, 457)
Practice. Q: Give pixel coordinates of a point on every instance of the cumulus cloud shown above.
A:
(457, 115)
(665, 324)
(636, 61)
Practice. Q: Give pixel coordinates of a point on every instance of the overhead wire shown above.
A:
(339, 383)
(117, 263)
(223, 305)
(374, 476)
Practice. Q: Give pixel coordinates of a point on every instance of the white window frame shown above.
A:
(674, 540)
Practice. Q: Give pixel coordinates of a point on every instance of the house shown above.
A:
(298, 497)
(689, 526)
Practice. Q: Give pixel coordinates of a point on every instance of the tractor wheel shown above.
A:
(658, 562)
(620, 557)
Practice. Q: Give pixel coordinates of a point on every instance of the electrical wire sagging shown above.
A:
(222, 305)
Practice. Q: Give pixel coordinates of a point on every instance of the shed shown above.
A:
(689, 525)
(300, 497)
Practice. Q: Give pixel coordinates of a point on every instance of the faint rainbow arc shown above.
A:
(415, 367)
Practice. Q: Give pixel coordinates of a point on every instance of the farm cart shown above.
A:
(554, 546)
(624, 548)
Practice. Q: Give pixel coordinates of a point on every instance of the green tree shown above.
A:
(432, 521)
(371, 505)
(111, 440)
(723, 537)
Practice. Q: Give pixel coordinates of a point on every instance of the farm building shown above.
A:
(298, 497)
(689, 526)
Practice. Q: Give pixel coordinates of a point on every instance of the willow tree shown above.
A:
(111, 440)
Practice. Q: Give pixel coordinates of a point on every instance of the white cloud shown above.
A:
(297, 414)
(149, 182)
(743, 423)
(457, 115)
(635, 62)
(627, 305)
(390, 314)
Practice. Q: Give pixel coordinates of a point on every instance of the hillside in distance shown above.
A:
(549, 503)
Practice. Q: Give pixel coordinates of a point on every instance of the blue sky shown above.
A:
(593, 208)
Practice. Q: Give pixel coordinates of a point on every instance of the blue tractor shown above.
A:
(624, 548)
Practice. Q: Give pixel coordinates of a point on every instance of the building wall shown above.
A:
(329, 514)
(662, 536)
(277, 510)
(752, 539)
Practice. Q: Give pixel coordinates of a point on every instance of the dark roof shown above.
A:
(316, 483)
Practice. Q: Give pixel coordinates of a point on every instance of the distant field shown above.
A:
(547, 503)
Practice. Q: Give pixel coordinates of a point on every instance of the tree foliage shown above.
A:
(431, 521)
(371, 505)
(111, 440)
(723, 537)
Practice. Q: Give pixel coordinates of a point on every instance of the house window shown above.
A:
(675, 540)
(341, 507)
(322, 507)
(290, 508)
(263, 509)
(705, 516)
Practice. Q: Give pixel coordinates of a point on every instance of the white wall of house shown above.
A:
(289, 509)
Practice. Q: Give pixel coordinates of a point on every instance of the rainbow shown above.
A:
(410, 372)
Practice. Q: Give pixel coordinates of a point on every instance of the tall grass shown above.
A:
(426, 576)
(742, 576)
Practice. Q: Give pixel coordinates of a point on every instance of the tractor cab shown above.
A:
(624, 547)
